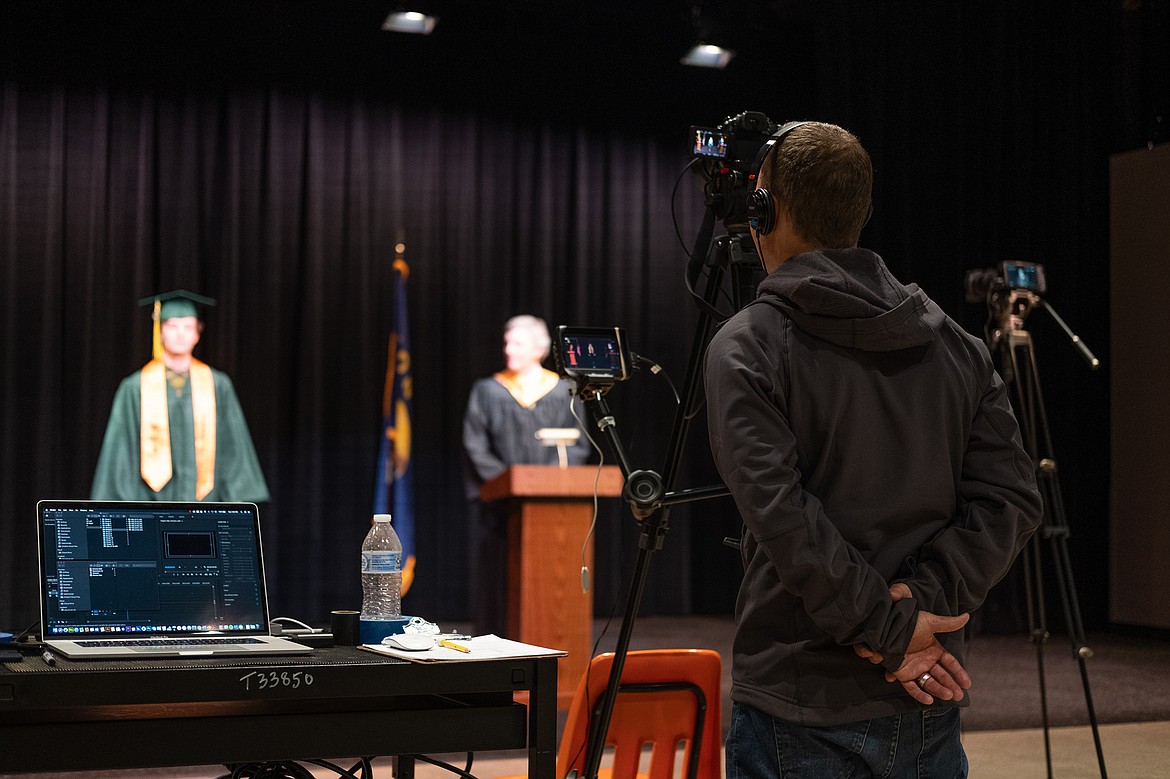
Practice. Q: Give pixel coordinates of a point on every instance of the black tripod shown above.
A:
(1020, 372)
(648, 493)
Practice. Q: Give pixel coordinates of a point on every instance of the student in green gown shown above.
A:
(176, 429)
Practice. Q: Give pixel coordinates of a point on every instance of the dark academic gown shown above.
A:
(499, 432)
(237, 470)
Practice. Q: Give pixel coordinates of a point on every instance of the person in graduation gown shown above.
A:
(176, 430)
(504, 411)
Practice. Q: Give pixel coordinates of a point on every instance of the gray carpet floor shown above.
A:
(1129, 679)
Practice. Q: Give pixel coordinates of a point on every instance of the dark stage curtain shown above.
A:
(261, 154)
(286, 207)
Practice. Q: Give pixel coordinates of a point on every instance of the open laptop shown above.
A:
(148, 579)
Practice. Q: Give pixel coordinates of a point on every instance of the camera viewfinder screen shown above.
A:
(1024, 275)
(709, 143)
(593, 353)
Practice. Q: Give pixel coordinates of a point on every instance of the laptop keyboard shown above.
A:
(170, 642)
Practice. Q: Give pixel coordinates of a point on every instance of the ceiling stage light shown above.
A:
(704, 55)
(410, 21)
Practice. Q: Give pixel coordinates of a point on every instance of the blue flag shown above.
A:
(394, 490)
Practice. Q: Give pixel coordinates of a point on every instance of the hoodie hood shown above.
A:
(849, 298)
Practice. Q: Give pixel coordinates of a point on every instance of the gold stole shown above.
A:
(155, 436)
(527, 396)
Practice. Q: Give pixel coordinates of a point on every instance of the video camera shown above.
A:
(1009, 275)
(1011, 290)
(728, 153)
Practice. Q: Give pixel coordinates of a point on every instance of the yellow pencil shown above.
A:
(453, 645)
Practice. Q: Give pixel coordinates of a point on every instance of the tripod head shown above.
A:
(1009, 309)
(1012, 290)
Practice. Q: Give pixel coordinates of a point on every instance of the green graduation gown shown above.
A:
(237, 470)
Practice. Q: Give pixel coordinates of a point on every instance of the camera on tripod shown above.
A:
(728, 152)
(1011, 290)
(594, 359)
(1009, 275)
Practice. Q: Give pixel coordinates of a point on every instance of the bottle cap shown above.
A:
(381, 517)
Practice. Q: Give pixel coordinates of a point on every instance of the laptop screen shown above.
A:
(150, 569)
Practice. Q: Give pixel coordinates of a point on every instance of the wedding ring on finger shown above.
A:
(924, 679)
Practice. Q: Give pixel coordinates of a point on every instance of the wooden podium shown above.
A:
(549, 513)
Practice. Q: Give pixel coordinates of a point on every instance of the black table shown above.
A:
(339, 702)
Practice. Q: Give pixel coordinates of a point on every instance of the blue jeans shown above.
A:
(918, 745)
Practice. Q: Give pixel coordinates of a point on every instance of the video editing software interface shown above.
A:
(151, 571)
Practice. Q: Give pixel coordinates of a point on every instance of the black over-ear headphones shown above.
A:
(761, 206)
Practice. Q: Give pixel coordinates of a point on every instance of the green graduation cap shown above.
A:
(169, 305)
(176, 303)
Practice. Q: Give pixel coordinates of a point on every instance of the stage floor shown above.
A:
(1129, 679)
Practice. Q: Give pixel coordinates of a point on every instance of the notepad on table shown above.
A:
(488, 647)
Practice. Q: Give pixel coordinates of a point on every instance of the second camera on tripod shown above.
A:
(981, 282)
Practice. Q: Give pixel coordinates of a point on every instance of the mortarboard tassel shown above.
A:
(156, 345)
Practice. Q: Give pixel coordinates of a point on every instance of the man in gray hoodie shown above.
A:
(873, 455)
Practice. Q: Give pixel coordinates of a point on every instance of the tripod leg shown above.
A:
(1054, 528)
(653, 532)
(1058, 542)
(1025, 403)
(655, 526)
(1038, 633)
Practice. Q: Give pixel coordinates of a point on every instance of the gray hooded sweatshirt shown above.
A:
(866, 439)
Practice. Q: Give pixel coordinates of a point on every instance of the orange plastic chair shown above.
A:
(667, 697)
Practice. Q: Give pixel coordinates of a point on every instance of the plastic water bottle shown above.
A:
(381, 572)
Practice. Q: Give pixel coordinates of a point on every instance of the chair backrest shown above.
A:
(667, 696)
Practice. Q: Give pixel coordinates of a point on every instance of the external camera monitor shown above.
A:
(708, 142)
(594, 355)
(1024, 275)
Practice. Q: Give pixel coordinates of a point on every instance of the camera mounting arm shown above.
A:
(593, 396)
(644, 490)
